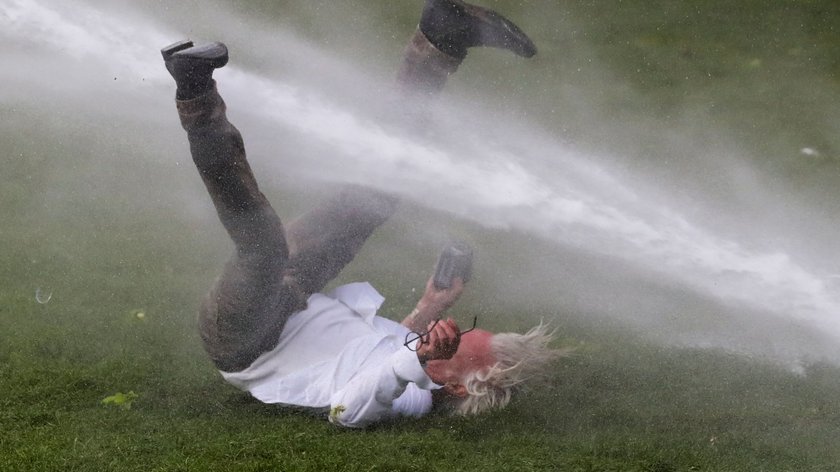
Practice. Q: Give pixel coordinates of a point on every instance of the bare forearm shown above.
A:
(418, 320)
(432, 305)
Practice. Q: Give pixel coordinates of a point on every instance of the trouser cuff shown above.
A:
(424, 66)
(201, 111)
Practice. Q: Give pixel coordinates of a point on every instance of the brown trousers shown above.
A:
(274, 269)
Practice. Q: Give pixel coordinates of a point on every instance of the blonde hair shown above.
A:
(519, 357)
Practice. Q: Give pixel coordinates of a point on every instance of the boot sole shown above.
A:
(509, 35)
(168, 51)
(213, 54)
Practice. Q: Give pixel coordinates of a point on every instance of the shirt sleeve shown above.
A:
(369, 396)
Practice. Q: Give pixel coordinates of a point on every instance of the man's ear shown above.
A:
(456, 390)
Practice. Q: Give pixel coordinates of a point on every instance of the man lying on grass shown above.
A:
(265, 324)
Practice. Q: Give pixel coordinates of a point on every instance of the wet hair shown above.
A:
(519, 357)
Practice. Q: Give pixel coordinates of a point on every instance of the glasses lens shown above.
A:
(410, 341)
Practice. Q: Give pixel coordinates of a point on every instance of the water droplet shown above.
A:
(810, 152)
(43, 296)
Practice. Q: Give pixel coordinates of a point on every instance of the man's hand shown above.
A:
(433, 304)
(441, 342)
(439, 300)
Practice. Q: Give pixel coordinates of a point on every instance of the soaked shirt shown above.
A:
(338, 355)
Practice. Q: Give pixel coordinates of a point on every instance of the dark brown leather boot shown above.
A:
(192, 66)
(453, 26)
(447, 28)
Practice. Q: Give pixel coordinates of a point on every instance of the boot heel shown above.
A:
(168, 51)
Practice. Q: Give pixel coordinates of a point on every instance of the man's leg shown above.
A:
(324, 240)
(447, 29)
(245, 311)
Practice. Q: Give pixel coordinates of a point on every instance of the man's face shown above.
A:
(473, 353)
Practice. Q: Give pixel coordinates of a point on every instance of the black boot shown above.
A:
(192, 66)
(453, 26)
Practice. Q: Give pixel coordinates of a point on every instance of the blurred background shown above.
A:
(661, 169)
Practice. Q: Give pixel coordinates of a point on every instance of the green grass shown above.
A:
(619, 404)
(110, 238)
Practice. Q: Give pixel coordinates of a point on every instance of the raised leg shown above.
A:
(447, 29)
(244, 313)
(324, 240)
(327, 238)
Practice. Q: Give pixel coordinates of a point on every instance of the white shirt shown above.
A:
(337, 353)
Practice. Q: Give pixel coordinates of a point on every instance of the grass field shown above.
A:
(120, 320)
(124, 287)
(103, 263)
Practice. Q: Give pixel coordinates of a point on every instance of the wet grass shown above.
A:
(124, 286)
(617, 405)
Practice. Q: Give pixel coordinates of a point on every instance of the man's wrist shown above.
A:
(425, 313)
(419, 318)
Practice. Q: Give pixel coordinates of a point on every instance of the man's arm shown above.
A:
(433, 304)
(370, 395)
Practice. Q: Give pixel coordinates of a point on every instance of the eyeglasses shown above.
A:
(413, 336)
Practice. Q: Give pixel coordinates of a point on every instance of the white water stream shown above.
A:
(525, 180)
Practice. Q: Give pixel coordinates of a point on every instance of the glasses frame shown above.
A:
(413, 336)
